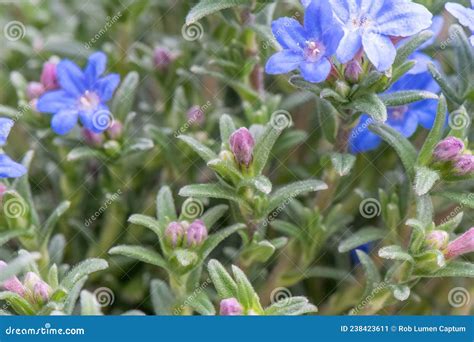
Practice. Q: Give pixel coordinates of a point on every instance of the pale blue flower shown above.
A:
(464, 15)
(8, 168)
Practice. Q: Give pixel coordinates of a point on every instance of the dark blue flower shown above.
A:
(309, 47)
(367, 247)
(8, 168)
(464, 15)
(82, 95)
(369, 24)
(404, 119)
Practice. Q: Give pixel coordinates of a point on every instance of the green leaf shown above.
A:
(140, 253)
(83, 152)
(257, 252)
(458, 269)
(209, 190)
(89, 304)
(226, 169)
(207, 7)
(464, 55)
(342, 162)
(227, 127)
(372, 105)
(293, 306)
(466, 199)
(72, 295)
(411, 46)
(260, 183)
(9, 235)
(82, 270)
(17, 265)
(225, 286)
(18, 303)
(372, 275)
(329, 273)
(162, 298)
(136, 145)
(300, 83)
(424, 209)
(286, 228)
(202, 304)
(445, 85)
(328, 120)
(50, 223)
(435, 135)
(361, 237)
(182, 260)
(399, 143)
(165, 208)
(211, 216)
(125, 96)
(216, 238)
(279, 121)
(394, 252)
(401, 98)
(288, 192)
(246, 295)
(451, 224)
(425, 178)
(147, 222)
(203, 151)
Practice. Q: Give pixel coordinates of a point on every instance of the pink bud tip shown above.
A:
(353, 71)
(12, 284)
(162, 58)
(464, 164)
(195, 115)
(91, 138)
(174, 233)
(42, 291)
(115, 130)
(230, 307)
(34, 90)
(448, 149)
(48, 76)
(437, 239)
(461, 245)
(196, 233)
(242, 143)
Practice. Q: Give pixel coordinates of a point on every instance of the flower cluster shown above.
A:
(451, 150)
(191, 235)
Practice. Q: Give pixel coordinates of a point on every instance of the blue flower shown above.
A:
(308, 48)
(8, 168)
(404, 119)
(369, 24)
(464, 15)
(82, 95)
(366, 248)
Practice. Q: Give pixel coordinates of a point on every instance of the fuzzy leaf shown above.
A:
(445, 85)
(203, 151)
(288, 192)
(209, 190)
(89, 304)
(162, 298)
(286, 228)
(361, 237)
(328, 120)
(245, 292)
(50, 223)
(400, 98)
(435, 135)
(425, 178)
(125, 96)
(211, 216)
(226, 286)
(227, 127)
(293, 306)
(451, 224)
(202, 304)
(394, 252)
(140, 253)
(216, 238)
(147, 222)
(165, 208)
(83, 152)
(371, 273)
(18, 303)
(372, 105)
(466, 199)
(260, 183)
(411, 46)
(458, 269)
(207, 7)
(17, 265)
(343, 163)
(82, 270)
(9, 235)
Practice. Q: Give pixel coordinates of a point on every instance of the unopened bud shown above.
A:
(462, 245)
(91, 138)
(49, 77)
(12, 284)
(242, 143)
(437, 239)
(174, 233)
(34, 90)
(196, 233)
(353, 71)
(115, 130)
(162, 58)
(230, 307)
(195, 115)
(464, 164)
(448, 149)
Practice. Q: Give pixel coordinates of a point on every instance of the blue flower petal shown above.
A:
(71, 78)
(403, 18)
(106, 86)
(422, 60)
(379, 50)
(436, 27)
(350, 44)
(64, 121)
(318, 19)
(5, 127)
(315, 72)
(9, 168)
(54, 101)
(95, 67)
(343, 9)
(289, 33)
(283, 62)
(362, 139)
(406, 125)
(426, 112)
(98, 120)
(463, 14)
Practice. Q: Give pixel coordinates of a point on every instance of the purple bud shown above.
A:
(115, 130)
(195, 115)
(48, 76)
(464, 164)
(437, 239)
(12, 284)
(34, 90)
(230, 307)
(462, 245)
(162, 58)
(174, 233)
(42, 292)
(196, 233)
(353, 71)
(91, 138)
(242, 143)
(3, 189)
(448, 149)
(31, 279)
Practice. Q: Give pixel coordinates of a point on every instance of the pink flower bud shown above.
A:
(195, 115)
(462, 245)
(91, 138)
(42, 292)
(48, 76)
(12, 284)
(3, 189)
(31, 279)
(464, 164)
(437, 239)
(34, 90)
(448, 149)
(115, 130)
(230, 307)
(353, 71)
(162, 58)
(174, 233)
(196, 233)
(242, 143)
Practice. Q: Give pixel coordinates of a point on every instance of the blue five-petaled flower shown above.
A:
(307, 47)
(82, 95)
(8, 168)
(464, 15)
